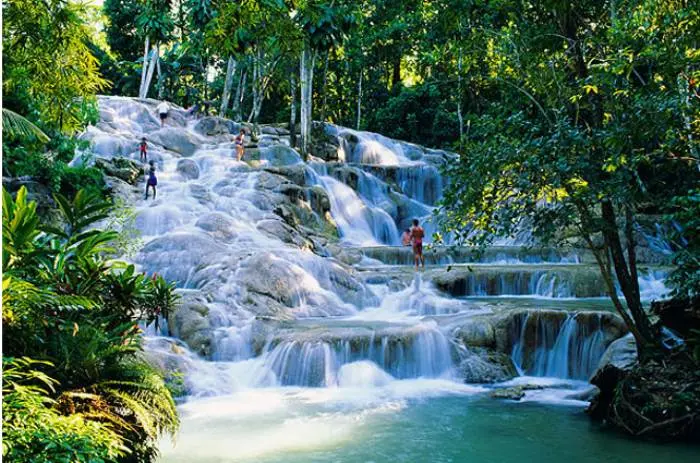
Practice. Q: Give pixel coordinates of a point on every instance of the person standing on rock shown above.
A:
(417, 235)
(143, 147)
(240, 140)
(163, 109)
(152, 180)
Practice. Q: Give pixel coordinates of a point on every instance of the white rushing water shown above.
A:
(295, 350)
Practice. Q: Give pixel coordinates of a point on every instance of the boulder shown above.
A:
(188, 168)
(200, 193)
(211, 126)
(190, 323)
(477, 332)
(681, 315)
(121, 168)
(295, 173)
(280, 155)
(120, 190)
(175, 139)
(219, 224)
(515, 392)
(617, 361)
(280, 230)
(176, 256)
(320, 202)
(486, 366)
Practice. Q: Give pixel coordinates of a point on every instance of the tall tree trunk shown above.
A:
(144, 67)
(240, 95)
(396, 72)
(307, 74)
(159, 82)
(323, 88)
(255, 84)
(205, 64)
(230, 72)
(293, 111)
(627, 275)
(149, 74)
(459, 98)
(359, 100)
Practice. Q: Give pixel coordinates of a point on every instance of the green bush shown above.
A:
(417, 114)
(33, 430)
(66, 304)
(48, 164)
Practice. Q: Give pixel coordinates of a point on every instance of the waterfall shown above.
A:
(319, 363)
(421, 182)
(358, 222)
(569, 348)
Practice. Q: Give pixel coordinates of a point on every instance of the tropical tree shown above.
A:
(323, 25)
(587, 130)
(155, 26)
(49, 72)
(75, 314)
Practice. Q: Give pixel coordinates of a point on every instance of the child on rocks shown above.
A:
(152, 180)
(143, 148)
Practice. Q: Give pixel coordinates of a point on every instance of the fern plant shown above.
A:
(66, 303)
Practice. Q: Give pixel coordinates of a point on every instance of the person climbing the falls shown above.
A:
(152, 180)
(143, 150)
(163, 109)
(417, 235)
(240, 140)
(406, 237)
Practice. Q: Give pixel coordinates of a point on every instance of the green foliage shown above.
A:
(685, 278)
(33, 430)
(65, 303)
(120, 29)
(17, 126)
(154, 20)
(416, 114)
(48, 69)
(582, 125)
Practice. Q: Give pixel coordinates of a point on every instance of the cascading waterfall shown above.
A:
(421, 353)
(569, 349)
(357, 322)
(358, 222)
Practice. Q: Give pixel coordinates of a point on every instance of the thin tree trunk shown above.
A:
(236, 109)
(306, 69)
(144, 66)
(396, 72)
(323, 88)
(293, 110)
(459, 97)
(205, 64)
(359, 100)
(625, 275)
(149, 74)
(230, 72)
(159, 82)
(255, 83)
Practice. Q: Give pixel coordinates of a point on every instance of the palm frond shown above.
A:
(18, 126)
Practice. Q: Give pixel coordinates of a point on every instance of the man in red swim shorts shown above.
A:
(417, 235)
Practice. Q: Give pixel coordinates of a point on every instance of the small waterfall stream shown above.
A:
(568, 347)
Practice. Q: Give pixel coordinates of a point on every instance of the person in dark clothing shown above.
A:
(152, 180)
